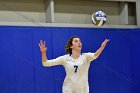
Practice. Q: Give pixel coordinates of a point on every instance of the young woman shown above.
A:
(76, 64)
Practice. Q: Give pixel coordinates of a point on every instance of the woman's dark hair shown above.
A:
(69, 43)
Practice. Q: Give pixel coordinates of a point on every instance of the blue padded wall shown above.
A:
(16, 60)
(44, 78)
(115, 71)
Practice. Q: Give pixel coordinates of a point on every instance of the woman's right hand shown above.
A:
(42, 46)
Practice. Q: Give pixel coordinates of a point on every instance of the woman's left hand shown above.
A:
(105, 42)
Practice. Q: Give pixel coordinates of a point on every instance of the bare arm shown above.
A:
(43, 50)
(45, 61)
(99, 51)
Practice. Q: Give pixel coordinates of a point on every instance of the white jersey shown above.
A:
(76, 80)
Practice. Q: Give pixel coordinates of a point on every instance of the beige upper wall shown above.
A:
(66, 11)
(80, 11)
(24, 1)
(22, 10)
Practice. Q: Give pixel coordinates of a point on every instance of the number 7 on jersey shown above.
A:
(76, 67)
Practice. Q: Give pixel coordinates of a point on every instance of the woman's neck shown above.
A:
(75, 54)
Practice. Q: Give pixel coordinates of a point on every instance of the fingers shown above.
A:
(45, 43)
(42, 43)
(106, 40)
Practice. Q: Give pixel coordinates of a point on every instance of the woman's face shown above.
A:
(76, 44)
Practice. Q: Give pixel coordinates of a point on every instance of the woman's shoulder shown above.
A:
(86, 53)
(65, 56)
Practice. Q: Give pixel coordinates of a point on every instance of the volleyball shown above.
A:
(99, 18)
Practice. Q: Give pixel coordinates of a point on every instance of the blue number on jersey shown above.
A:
(76, 67)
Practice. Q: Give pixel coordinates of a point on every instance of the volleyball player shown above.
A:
(76, 64)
